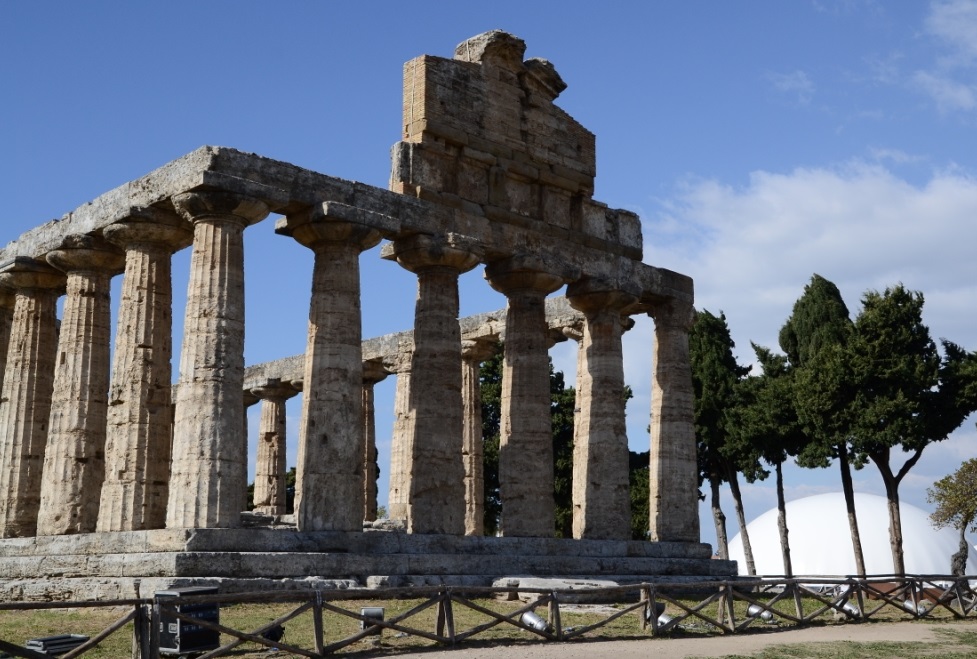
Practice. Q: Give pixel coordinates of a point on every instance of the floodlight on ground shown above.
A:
(755, 610)
(533, 621)
(658, 610)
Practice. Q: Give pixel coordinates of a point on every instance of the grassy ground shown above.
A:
(18, 626)
(953, 644)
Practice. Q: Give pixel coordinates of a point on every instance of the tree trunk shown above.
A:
(722, 544)
(891, 481)
(895, 520)
(782, 522)
(734, 486)
(849, 490)
(958, 562)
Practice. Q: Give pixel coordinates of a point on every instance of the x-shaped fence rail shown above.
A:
(725, 607)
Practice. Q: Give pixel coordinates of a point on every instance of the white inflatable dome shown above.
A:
(820, 541)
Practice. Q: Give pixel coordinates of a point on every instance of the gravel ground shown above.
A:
(742, 644)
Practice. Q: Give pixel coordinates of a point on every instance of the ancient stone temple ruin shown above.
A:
(111, 475)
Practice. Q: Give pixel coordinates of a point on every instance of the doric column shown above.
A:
(209, 468)
(373, 372)
(673, 485)
(329, 479)
(25, 403)
(473, 353)
(7, 299)
(401, 439)
(436, 495)
(74, 461)
(526, 443)
(269, 473)
(601, 501)
(140, 415)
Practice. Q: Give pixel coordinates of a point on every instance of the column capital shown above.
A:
(590, 297)
(574, 330)
(374, 371)
(208, 204)
(478, 350)
(420, 251)
(519, 274)
(84, 253)
(150, 225)
(24, 272)
(274, 388)
(315, 226)
(673, 314)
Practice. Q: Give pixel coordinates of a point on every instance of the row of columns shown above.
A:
(59, 409)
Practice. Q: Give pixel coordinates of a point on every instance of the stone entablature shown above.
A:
(289, 189)
(491, 173)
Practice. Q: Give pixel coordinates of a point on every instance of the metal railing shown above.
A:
(720, 607)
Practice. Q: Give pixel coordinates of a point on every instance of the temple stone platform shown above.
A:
(127, 564)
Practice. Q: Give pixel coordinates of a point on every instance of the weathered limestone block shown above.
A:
(209, 466)
(482, 128)
(436, 495)
(526, 444)
(25, 403)
(673, 505)
(373, 372)
(473, 353)
(601, 503)
(140, 414)
(269, 474)
(74, 462)
(330, 472)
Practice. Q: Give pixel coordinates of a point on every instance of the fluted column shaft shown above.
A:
(473, 353)
(329, 480)
(74, 462)
(526, 443)
(25, 403)
(269, 476)
(373, 372)
(209, 467)
(601, 501)
(401, 441)
(436, 493)
(140, 415)
(673, 479)
(7, 299)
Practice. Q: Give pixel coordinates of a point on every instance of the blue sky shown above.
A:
(759, 141)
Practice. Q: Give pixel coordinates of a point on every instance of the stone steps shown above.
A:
(332, 565)
(369, 542)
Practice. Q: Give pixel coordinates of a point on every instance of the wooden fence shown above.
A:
(722, 607)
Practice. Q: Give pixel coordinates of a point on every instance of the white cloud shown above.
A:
(796, 84)
(954, 22)
(751, 250)
(951, 81)
(948, 94)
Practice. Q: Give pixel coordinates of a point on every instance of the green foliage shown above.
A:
(490, 380)
(715, 375)
(764, 423)
(897, 373)
(561, 410)
(955, 498)
(819, 319)
(638, 487)
(815, 339)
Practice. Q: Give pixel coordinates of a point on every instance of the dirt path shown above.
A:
(744, 644)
